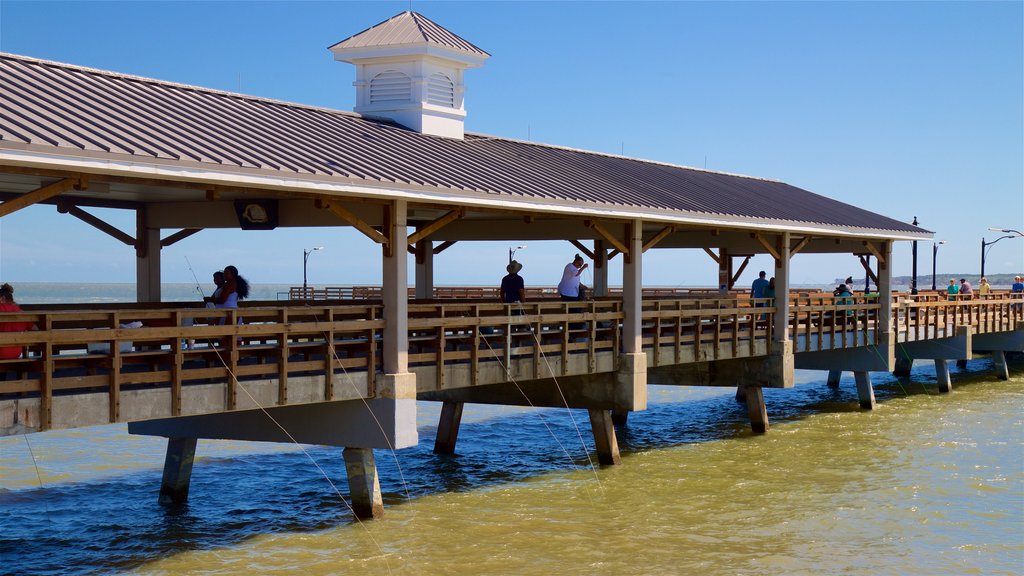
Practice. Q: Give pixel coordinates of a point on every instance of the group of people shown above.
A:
(230, 288)
(570, 288)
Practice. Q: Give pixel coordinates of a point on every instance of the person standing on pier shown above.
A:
(760, 286)
(235, 288)
(569, 287)
(984, 287)
(7, 304)
(952, 290)
(965, 289)
(513, 288)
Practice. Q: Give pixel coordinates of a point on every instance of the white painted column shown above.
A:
(887, 338)
(600, 269)
(781, 333)
(632, 290)
(147, 260)
(425, 269)
(396, 294)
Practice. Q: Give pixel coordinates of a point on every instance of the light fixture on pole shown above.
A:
(1010, 233)
(935, 253)
(512, 252)
(305, 258)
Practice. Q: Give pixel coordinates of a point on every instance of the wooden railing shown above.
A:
(74, 351)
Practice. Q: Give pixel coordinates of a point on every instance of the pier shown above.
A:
(345, 368)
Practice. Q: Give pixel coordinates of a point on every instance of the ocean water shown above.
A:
(927, 483)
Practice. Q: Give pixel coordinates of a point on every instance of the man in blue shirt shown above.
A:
(757, 289)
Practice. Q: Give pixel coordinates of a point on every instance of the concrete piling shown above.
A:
(363, 483)
(903, 366)
(999, 362)
(181, 452)
(756, 409)
(448, 427)
(604, 437)
(834, 376)
(865, 392)
(620, 417)
(942, 376)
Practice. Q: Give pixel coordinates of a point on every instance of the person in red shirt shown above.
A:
(7, 304)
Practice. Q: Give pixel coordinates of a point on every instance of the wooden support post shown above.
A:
(903, 366)
(147, 260)
(600, 269)
(604, 437)
(999, 362)
(448, 428)
(620, 417)
(865, 393)
(741, 394)
(363, 483)
(942, 376)
(756, 410)
(834, 376)
(396, 295)
(181, 452)
(425, 269)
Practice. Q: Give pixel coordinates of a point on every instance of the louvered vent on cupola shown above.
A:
(390, 86)
(410, 70)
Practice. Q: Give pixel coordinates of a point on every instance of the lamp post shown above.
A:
(305, 258)
(935, 253)
(512, 252)
(913, 276)
(1010, 233)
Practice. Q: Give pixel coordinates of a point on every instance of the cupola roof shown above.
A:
(408, 28)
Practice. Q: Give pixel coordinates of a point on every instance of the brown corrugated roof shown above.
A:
(408, 28)
(49, 106)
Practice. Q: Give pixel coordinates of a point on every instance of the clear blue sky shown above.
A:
(908, 109)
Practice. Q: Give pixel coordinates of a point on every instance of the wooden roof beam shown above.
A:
(353, 220)
(743, 266)
(443, 246)
(437, 225)
(179, 235)
(65, 207)
(767, 246)
(714, 256)
(870, 246)
(799, 246)
(608, 236)
(867, 268)
(41, 194)
(579, 246)
(658, 237)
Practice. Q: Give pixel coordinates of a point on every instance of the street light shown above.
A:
(984, 244)
(305, 258)
(935, 252)
(512, 252)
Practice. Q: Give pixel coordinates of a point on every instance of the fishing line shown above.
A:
(234, 378)
(39, 477)
(551, 371)
(543, 420)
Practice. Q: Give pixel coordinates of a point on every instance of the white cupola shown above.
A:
(410, 70)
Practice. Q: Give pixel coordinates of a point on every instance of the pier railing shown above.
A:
(303, 352)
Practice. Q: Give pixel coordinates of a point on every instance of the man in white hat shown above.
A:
(513, 288)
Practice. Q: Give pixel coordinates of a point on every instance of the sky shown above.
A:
(906, 109)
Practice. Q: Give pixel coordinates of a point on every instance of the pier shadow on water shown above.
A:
(113, 524)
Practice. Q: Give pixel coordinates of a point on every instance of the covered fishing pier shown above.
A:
(403, 172)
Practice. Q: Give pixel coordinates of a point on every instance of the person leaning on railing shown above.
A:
(7, 304)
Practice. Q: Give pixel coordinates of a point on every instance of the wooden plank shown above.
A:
(609, 237)
(114, 376)
(767, 246)
(36, 196)
(352, 219)
(582, 248)
(178, 236)
(711, 253)
(284, 354)
(329, 356)
(66, 207)
(436, 225)
(799, 246)
(658, 238)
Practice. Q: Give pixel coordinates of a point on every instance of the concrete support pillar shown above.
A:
(903, 366)
(363, 483)
(865, 392)
(181, 452)
(425, 269)
(600, 269)
(632, 289)
(620, 417)
(448, 427)
(396, 292)
(604, 437)
(147, 260)
(834, 376)
(781, 333)
(999, 362)
(741, 394)
(756, 410)
(942, 376)
(961, 364)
